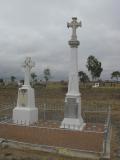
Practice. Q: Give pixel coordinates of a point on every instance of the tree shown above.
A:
(47, 75)
(94, 67)
(13, 78)
(115, 74)
(33, 77)
(1, 81)
(22, 81)
(83, 77)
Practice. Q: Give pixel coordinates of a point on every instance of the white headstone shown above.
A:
(72, 110)
(26, 112)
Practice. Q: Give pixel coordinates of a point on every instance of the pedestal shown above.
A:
(25, 112)
(72, 114)
(72, 109)
(25, 116)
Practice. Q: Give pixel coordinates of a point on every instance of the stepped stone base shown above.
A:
(25, 116)
(72, 114)
(73, 124)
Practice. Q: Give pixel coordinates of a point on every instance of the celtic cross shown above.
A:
(27, 65)
(74, 25)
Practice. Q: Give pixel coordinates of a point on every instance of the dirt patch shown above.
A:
(90, 97)
(81, 140)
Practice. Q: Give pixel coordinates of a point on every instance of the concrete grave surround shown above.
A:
(72, 110)
(25, 112)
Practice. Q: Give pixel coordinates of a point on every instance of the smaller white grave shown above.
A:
(25, 112)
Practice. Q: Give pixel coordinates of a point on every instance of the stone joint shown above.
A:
(74, 44)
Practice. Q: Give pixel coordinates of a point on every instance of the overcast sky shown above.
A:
(37, 28)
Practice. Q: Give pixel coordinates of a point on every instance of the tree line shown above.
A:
(94, 67)
(33, 77)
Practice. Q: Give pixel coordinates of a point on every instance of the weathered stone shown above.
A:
(26, 113)
(72, 109)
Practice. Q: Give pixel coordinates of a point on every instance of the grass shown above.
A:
(33, 155)
(91, 97)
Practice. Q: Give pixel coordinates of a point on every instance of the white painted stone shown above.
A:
(73, 84)
(25, 112)
(27, 65)
(25, 116)
(76, 122)
(73, 124)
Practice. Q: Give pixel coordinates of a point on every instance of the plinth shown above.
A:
(72, 114)
(25, 113)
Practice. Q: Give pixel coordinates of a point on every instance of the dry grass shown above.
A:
(32, 155)
(90, 97)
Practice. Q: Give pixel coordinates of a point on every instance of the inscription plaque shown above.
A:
(71, 108)
(23, 96)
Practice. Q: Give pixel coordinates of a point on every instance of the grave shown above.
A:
(72, 110)
(25, 112)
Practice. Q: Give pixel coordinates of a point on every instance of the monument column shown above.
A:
(25, 112)
(72, 110)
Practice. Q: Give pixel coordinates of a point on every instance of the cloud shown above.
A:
(38, 29)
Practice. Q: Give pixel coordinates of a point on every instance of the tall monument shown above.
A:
(26, 113)
(72, 110)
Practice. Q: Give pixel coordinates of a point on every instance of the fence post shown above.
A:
(105, 140)
(44, 108)
(107, 130)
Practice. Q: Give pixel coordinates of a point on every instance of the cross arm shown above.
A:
(69, 24)
(79, 24)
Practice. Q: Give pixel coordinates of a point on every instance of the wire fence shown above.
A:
(55, 113)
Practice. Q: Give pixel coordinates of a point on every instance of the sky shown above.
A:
(37, 28)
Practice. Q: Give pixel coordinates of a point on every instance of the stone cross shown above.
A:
(27, 65)
(74, 25)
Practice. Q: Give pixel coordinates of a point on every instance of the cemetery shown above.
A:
(69, 128)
